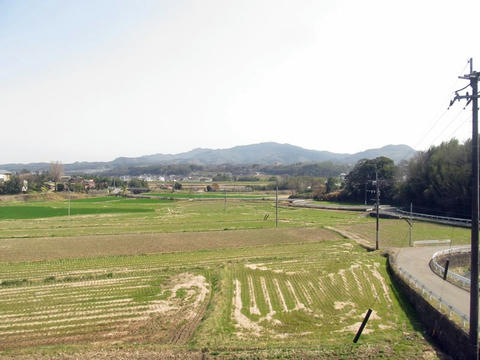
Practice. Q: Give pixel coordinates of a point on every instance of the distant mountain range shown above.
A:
(268, 153)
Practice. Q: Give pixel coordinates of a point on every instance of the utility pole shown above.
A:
(225, 202)
(410, 226)
(474, 260)
(276, 205)
(473, 331)
(366, 194)
(377, 206)
(69, 196)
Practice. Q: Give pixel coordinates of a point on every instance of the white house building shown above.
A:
(5, 175)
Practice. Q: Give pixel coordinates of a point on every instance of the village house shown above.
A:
(89, 184)
(5, 175)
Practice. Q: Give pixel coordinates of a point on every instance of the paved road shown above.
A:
(415, 260)
(393, 212)
(309, 204)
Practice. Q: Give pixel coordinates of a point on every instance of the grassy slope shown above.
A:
(396, 232)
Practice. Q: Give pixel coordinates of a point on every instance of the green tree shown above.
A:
(137, 183)
(332, 184)
(364, 173)
(12, 186)
(439, 180)
(56, 172)
(222, 177)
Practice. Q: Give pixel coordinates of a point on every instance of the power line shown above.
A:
(448, 126)
(431, 128)
(439, 118)
(465, 121)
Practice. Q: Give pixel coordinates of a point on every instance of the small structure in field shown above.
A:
(5, 175)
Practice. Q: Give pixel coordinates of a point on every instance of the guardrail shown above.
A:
(443, 218)
(440, 270)
(432, 242)
(433, 298)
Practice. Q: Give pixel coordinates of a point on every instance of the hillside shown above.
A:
(268, 153)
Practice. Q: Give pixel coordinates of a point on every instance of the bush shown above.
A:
(222, 177)
(248, 178)
(212, 188)
(12, 186)
(137, 183)
(333, 196)
(304, 195)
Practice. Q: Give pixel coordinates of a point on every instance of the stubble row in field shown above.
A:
(198, 275)
(269, 296)
(113, 216)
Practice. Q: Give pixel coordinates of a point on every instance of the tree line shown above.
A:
(436, 181)
(39, 182)
(321, 169)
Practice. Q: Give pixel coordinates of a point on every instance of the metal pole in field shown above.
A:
(445, 272)
(276, 205)
(362, 326)
(378, 205)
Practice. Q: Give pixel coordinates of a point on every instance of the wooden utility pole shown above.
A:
(473, 98)
(366, 193)
(276, 205)
(410, 226)
(474, 260)
(377, 206)
(225, 202)
(69, 196)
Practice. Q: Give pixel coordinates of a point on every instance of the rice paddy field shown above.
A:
(206, 195)
(195, 279)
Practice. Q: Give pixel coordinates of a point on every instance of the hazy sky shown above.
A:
(94, 80)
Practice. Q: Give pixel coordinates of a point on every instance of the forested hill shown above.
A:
(268, 153)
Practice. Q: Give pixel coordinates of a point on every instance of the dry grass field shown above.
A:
(395, 233)
(49, 248)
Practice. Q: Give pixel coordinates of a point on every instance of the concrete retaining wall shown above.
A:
(457, 257)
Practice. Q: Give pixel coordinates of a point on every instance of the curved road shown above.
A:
(415, 260)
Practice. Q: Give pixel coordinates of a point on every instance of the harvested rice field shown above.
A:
(292, 292)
